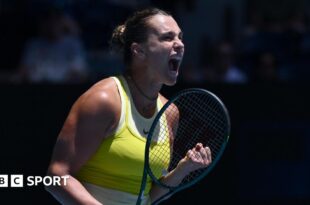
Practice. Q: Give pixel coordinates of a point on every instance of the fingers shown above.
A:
(200, 154)
(198, 146)
(206, 154)
(196, 156)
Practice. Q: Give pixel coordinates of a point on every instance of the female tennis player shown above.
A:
(101, 145)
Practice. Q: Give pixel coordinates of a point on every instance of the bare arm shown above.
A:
(91, 119)
(197, 157)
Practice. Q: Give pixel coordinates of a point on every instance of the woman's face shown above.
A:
(164, 49)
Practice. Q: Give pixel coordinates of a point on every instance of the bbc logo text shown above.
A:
(18, 180)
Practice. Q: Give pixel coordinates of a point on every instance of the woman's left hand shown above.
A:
(196, 158)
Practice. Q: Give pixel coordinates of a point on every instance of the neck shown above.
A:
(144, 95)
(143, 88)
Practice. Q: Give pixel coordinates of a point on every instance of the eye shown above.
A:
(181, 36)
(171, 36)
(167, 38)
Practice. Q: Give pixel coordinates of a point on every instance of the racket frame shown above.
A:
(147, 169)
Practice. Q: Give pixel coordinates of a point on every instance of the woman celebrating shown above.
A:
(101, 145)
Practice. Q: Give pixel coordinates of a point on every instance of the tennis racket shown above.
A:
(192, 116)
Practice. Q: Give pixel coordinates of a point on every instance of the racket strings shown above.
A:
(194, 118)
(204, 123)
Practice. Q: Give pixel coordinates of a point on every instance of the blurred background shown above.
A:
(254, 54)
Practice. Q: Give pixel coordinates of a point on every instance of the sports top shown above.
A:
(119, 161)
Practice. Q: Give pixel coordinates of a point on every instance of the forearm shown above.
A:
(73, 193)
(191, 162)
(173, 178)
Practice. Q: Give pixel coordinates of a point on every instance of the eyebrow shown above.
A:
(172, 33)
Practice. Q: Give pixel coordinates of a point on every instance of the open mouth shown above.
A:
(174, 64)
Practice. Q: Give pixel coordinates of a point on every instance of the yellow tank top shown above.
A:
(119, 161)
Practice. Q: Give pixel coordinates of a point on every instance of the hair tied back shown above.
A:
(117, 40)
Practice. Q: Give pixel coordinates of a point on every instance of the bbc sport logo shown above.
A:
(18, 180)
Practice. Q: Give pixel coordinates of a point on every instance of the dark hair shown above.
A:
(133, 30)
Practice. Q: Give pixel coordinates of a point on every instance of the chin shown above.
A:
(171, 81)
(170, 84)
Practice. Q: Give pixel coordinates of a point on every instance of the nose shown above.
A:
(178, 45)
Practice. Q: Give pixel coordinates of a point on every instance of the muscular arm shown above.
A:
(93, 117)
(197, 157)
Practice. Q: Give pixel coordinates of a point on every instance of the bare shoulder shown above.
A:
(172, 116)
(172, 110)
(163, 99)
(92, 118)
(100, 103)
(102, 93)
